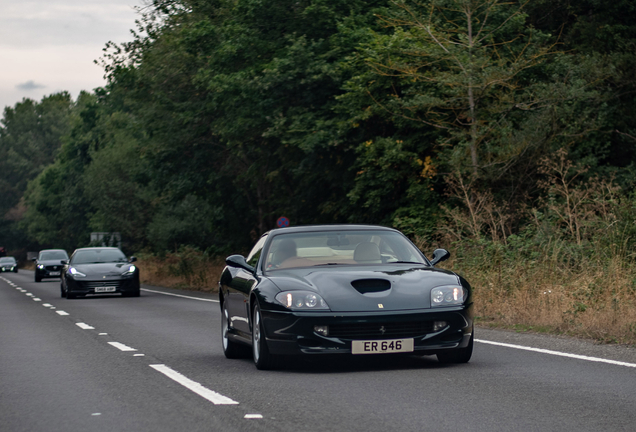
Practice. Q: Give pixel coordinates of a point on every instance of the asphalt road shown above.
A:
(154, 363)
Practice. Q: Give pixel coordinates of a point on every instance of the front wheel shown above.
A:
(68, 293)
(458, 355)
(262, 358)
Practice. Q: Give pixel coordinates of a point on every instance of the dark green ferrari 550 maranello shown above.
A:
(343, 289)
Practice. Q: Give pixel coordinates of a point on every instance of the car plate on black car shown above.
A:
(54, 273)
(104, 289)
(382, 346)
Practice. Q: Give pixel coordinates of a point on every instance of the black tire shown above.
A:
(69, 295)
(15, 271)
(135, 293)
(37, 278)
(458, 355)
(231, 349)
(260, 352)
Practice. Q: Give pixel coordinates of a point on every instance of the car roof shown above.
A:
(339, 227)
(52, 250)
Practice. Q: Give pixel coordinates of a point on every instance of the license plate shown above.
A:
(382, 346)
(54, 273)
(105, 289)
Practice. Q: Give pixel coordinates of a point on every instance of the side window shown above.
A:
(255, 253)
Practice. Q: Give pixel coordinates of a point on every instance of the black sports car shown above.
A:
(99, 270)
(48, 264)
(8, 264)
(343, 289)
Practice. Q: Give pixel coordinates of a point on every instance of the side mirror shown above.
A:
(34, 259)
(440, 255)
(132, 259)
(64, 262)
(238, 261)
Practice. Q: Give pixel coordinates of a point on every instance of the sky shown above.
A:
(48, 46)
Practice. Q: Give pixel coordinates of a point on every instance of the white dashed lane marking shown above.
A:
(121, 346)
(212, 396)
(84, 326)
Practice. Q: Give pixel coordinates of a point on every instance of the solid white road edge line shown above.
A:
(121, 346)
(179, 295)
(212, 396)
(558, 353)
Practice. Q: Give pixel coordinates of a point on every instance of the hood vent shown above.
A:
(364, 286)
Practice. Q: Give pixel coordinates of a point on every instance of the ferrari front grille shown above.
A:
(394, 330)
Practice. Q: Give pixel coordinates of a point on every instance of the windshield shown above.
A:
(53, 255)
(340, 247)
(92, 256)
(7, 260)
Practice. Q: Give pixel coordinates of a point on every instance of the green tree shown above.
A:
(30, 137)
(465, 67)
(57, 209)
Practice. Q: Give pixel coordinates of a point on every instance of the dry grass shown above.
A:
(567, 266)
(597, 301)
(192, 272)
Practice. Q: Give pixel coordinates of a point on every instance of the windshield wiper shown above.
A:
(328, 264)
(406, 262)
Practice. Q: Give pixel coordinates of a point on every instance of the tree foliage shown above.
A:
(221, 116)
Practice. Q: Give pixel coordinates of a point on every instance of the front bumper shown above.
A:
(49, 272)
(290, 333)
(103, 286)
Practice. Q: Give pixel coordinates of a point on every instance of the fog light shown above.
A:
(438, 325)
(322, 330)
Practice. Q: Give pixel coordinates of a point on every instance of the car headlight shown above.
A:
(41, 266)
(301, 300)
(448, 296)
(130, 271)
(76, 273)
